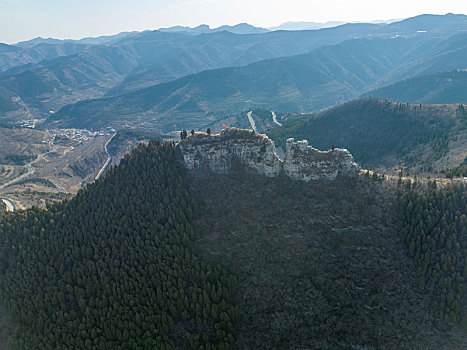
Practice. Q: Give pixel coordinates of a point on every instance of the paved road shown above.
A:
(109, 158)
(274, 118)
(9, 204)
(29, 168)
(252, 122)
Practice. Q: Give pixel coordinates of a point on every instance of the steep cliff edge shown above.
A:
(234, 148)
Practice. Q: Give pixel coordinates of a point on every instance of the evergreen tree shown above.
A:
(434, 228)
(115, 266)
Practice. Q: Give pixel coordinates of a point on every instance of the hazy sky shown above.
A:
(26, 19)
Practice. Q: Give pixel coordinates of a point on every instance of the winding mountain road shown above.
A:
(29, 168)
(109, 158)
(29, 171)
(9, 204)
(252, 121)
(274, 118)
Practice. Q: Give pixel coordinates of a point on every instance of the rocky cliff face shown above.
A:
(303, 162)
(235, 149)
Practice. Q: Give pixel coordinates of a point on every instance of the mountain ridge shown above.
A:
(435, 88)
(308, 82)
(155, 57)
(240, 28)
(386, 134)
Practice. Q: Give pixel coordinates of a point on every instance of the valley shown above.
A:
(53, 168)
(174, 80)
(53, 165)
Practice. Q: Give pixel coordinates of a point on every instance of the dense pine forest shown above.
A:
(434, 228)
(320, 265)
(115, 267)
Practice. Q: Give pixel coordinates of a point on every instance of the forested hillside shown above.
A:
(320, 265)
(114, 268)
(381, 132)
(144, 258)
(114, 237)
(443, 87)
(434, 228)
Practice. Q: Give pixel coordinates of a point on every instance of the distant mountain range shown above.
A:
(241, 28)
(184, 77)
(13, 56)
(143, 60)
(324, 77)
(100, 40)
(321, 25)
(306, 25)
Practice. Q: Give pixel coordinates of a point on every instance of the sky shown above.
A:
(73, 19)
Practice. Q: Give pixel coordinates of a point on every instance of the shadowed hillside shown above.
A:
(151, 257)
(320, 265)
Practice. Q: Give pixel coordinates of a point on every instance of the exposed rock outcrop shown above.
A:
(234, 148)
(220, 153)
(303, 162)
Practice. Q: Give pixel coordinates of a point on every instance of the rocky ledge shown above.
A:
(234, 149)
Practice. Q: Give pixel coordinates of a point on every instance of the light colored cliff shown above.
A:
(240, 149)
(303, 162)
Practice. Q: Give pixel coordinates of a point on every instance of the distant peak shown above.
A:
(240, 28)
